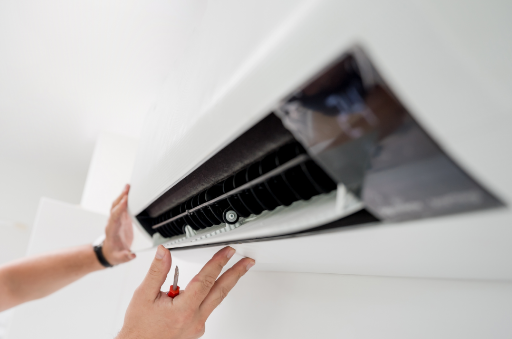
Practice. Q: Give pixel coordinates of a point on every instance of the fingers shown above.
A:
(200, 285)
(119, 208)
(123, 256)
(223, 285)
(125, 192)
(157, 273)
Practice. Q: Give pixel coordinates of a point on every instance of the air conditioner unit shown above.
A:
(338, 148)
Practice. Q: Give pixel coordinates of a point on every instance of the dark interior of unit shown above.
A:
(260, 151)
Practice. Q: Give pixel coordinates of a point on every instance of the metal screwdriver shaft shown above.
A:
(175, 289)
(176, 275)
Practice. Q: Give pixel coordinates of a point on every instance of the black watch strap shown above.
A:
(98, 249)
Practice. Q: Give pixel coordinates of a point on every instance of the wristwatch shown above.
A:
(97, 245)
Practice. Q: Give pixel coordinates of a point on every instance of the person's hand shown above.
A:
(119, 232)
(153, 315)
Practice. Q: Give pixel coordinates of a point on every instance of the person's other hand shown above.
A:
(119, 231)
(153, 315)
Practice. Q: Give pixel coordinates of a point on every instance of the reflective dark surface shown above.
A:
(359, 133)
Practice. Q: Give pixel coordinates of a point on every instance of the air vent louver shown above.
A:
(245, 193)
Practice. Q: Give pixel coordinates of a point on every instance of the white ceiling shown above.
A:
(71, 69)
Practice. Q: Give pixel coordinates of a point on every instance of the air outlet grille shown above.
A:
(278, 179)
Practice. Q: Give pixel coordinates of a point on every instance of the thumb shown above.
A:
(157, 273)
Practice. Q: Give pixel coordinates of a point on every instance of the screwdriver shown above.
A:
(175, 289)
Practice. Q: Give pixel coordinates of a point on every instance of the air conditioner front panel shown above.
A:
(352, 146)
(208, 103)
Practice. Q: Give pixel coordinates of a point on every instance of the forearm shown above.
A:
(37, 277)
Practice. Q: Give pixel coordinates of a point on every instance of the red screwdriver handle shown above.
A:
(172, 293)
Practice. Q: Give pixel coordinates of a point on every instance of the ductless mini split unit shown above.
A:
(340, 150)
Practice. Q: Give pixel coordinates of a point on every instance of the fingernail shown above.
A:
(160, 252)
(249, 265)
(230, 253)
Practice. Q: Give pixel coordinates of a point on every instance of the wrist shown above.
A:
(92, 259)
(107, 252)
(101, 252)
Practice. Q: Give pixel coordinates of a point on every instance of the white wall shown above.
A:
(303, 306)
(69, 70)
(110, 169)
(314, 305)
(21, 188)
